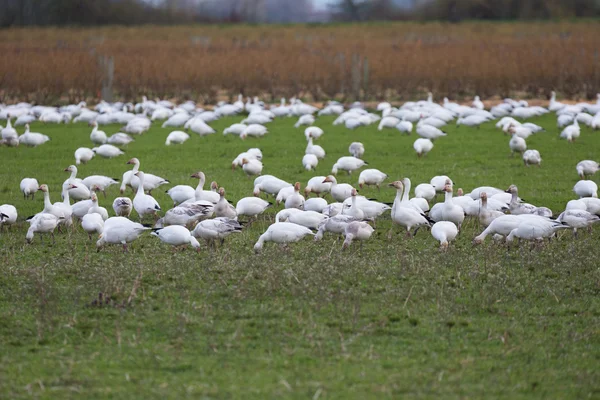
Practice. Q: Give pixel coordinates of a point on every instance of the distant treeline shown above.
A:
(134, 12)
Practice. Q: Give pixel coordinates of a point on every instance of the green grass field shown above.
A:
(397, 319)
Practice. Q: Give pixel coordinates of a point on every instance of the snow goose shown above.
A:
(83, 155)
(151, 181)
(142, 203)
(587, 168)
(122, 206)
(425, 191)
(586, 188)
(95, 208)
(120, 139)
(571, 132)
(444, 232)
(434, 121)
(370, 209)
(235, 129)
(418, 204)
(429, 132)
(48, 206)
(92, 223)
(176, 120)
(100, 182)
(32, 139)
(310, 162)
(313, 131)
(200, 193)
(517, 208)
(354, 210)
(282, 233)
(517, 145)
(356, 149)
(254, 130)
(223, 208)
(487, 216)
(477, 103)
(471, 120)
(97, 137)
(333, 209)
(309, 219)
(371, 177)
(348, 164)
(406, 217)
(335, 224)
(315, 204)
(577, 219)
(422, 146)
(217, 228)
(520, 131)
(108, 151)
(339, 192)
(9, 134)
(439, 183)
(269, 184)
(388, 122)
(532, 157)
(357, 230)
(296, 200)
(81, 191)
(41, 223)
(197, 125)
(314, 149)
(537, 229)
(489, 190)
(251, 206)
(318, 185)
(29, 186)
(405, 126)
(181, 193)
(253, 153)
(306, 119)
(8, 215)
(252, 167)
(177, 236)
(448, 211)
(463, 201)
(176, 137)
(504, 225)
(284, 194)
(120, 230)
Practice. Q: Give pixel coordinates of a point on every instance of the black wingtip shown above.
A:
(153, 229)
(2, 215)
(115, 179)
(149, 226)
(28, 218)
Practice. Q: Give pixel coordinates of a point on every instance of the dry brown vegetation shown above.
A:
(399, 60)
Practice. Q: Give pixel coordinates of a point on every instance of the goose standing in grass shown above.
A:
(92, 223)
(315, 204)
(586, 188)
(97, 137)
(422, 146)
(269, 184)
(477, 103)
(314, 149)
(537, 229)
(251, 207)
(120, 139)
(177, 236)
(532, 157)
(32, 139)
(317, 185)
(8, 214)
(517, 145)
(216, 228)
(235, 129)
(313, 131)
(254, 130)
(9, 134)
(504, 225)
(83, 155)
(41, 223)
(253, 153)
(388, 122)
(151, 181)
(80, 190)
(181, 193)
(100, 182)
(339, 191)
(282, 233)
(252, 167)
(108, 151)
(356, 149)
(429, 132)
(587, 168)
(96, 209)
(143, 203)
(354, 210)
(29, 186)
(310, 162)
(122, 206)
(448, 211)
(406, 217)
(571, 132)
(439, 183)
(357, 230)
(578, 219)
(444, 232)
(487, 216)
(305, 120)
(405, 126)
(176, 137)
(296, 200)
(371, 177)
(348, 164)
(335, 224)
(224, 209)
(120, 230)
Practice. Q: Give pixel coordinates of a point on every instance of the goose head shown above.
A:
(512, 189)
(222, 192)
(94, 197)
(71, 168)
(133, 161)
(397, 185)
(43, 188)
(199, 175)
(214, 186)
(330, 179)
(459, 192)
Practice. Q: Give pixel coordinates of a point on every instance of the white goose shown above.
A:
(92, 223)
(120, 139)
(32, 139)
(535, 229)
(314, 149)
(405, 126)
(96, 209)
(200, 193)
(313, 131)
(235, 129)
(586, 188)
(176, 137)
(80, 190)
(587, 168)
(371, 177)
(317, 185)
(448, 211)
(336, 224)
(223, 209)
(269, 184)
(181, 193)
(354, 210)
(405, 216)
(370, 209)
(282, 233)
(422, 146)
(356, 149)
(357, 230)
(29, 186)
(97, 137)
(254, 130)
(315, 204)
(309, 219)
(122, 206)
(339, 191)
(487, 216)
(517, 145)
(101, 182)
(151, 181)
(9, 134)
(8, 215)
(252, 166)
(50, 208)
(444, 232)
(120, 230)
(310, 162)
(176, 235)
(517, 208)
(143, 203)
(217, 228)
(429, 132)
(348, 164)
(83, 155)
(577, 219)
(532, 157)
(41, 223)
(504, 225)
(253, 153)
(296, 200)
(251, 206)
(108, 151)
(425, 191)
(571, 132)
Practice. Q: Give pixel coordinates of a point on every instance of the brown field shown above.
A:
(391, 61)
